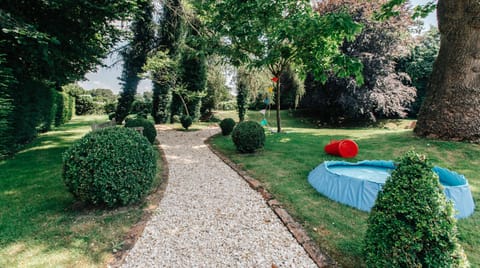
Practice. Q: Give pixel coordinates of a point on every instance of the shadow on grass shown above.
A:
(38, 224)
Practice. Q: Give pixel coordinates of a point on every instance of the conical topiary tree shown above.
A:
(411, 223)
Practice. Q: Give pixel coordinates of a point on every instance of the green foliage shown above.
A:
(193, 68)
(229, 105)
(291, 89)
(56, 41)
(265, 34)
(386, 92)
(135, 56)
(6, 110)
(112, 167)
(411, 223)
(418, 64)
(84, 105)
(162, 71)
(242, 94)
(227, 126)
(248, 136)
(62, 114)
(186, 121)
(149, 130)
(216, 88)
(172, 27)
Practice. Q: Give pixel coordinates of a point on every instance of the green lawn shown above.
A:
(284, 164)
(39, 224)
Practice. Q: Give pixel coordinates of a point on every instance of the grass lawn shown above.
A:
(284, 164)
(39, 224)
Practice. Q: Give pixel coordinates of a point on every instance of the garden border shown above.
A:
(320, 258)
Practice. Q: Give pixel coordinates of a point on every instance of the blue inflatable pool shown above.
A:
(357, 184)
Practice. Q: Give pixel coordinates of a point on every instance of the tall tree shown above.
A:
(451, 109)
(274, 34)
(242, 93)
(193, 67)
(216, 87)
(162, 71)
(169, 39)
(135, 56)
(59, 41)
(47, 44)
(384, 93)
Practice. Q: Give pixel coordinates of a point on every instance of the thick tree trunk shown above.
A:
(451, 110)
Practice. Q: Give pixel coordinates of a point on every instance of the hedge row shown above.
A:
(27, 109)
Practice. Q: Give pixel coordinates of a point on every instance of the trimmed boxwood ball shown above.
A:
(149, 130)
(227, 126)
(248, 136)
(112, 166)
(411, 223)
(186, 121)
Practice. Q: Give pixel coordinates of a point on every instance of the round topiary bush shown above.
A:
(248, 136)
(227, 126)
(149, 130)
(186, 121)
(112, 166)
(411, 223)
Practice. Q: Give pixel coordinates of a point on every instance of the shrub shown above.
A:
(186, 121)
(248, 136)
(84, 105)
(227, 126)
(149, 130)
(411, 223)
(112, 166)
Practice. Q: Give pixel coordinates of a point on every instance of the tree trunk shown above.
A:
(451, 110)
(277, 100)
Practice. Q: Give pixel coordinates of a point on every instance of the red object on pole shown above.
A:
(343, 148)
(275, 79)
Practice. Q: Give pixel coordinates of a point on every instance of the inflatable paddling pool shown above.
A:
(357, 184)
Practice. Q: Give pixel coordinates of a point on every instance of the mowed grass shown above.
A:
(287, 158)
(39, 224)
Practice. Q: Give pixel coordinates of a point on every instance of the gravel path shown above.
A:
(210, 217)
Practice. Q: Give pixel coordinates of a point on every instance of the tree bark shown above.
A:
(277, 100)
(451, 110)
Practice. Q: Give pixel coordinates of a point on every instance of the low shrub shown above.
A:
(248, 136)
(112, 167)
(411, 223)
(227, 126)
(149, 130)
(186, 121)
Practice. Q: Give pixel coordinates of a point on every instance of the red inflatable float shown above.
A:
(343, 148)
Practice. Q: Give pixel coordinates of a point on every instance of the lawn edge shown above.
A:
(321, 258)
(152, 202)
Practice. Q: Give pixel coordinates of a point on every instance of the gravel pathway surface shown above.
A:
(210, 217)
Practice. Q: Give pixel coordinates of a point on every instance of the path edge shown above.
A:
(152, 202)
(320, 258)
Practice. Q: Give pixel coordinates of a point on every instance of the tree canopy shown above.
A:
(59, 41)
(275, 34)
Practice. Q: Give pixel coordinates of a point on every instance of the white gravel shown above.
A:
(210, 217)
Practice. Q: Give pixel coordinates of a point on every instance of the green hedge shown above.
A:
(248, 136)
(227, 126)
(6, 111)
(149, 130)
(28, 108)
(412, 224)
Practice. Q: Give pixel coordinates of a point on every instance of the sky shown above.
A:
(107, 77)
